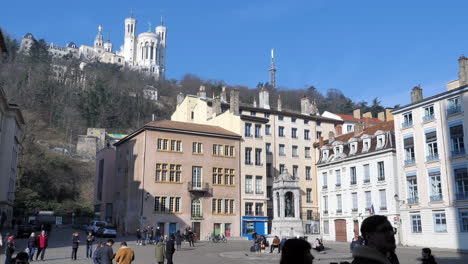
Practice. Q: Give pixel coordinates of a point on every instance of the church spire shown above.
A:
(272, 70)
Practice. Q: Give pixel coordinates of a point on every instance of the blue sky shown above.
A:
(365, 48)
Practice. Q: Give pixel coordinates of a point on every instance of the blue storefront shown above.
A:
(251, 224)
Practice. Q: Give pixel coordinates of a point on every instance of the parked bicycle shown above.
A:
(218, 238)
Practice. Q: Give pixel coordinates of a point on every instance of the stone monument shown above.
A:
(286, 206)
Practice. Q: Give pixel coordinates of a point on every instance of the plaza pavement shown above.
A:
(232, 252)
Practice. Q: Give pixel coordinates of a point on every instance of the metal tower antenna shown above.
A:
(272, 70)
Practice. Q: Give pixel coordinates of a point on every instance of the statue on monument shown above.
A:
(289, 205)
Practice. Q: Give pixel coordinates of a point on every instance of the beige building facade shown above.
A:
(174, 175)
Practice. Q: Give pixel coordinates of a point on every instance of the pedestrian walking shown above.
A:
(75, 245)
(32, 245)
(9, 249)
(159, 252)
(178, 237)
(296, 251)
(170, 249)
(96, 257)
(89, 245)
(43, 241)
(379, 242)
(138, 237)
(151, 235)
(427, 257)
(125, 255)
(190, 237)
(148, 231)
(158, 234)
(106, 253)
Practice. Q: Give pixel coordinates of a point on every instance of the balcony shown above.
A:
(462, 196)
(436, 197)
(453, 109)
(339, 211)
(201, 187)
(407, 124)
(413, 200)
(410, 162)
(197, 217)
(433, 157)
(354, 210)
(428, 118)
(458, 152)
(366, 180)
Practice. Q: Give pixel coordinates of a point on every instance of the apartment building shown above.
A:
(357, 178)
(433, 166)
(176, 174)
(273, 139)
(105, 184)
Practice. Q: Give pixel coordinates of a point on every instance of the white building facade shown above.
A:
(357, 178)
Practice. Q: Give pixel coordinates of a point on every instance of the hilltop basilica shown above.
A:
(145, 52)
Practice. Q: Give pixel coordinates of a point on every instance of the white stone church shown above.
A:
(145, 52)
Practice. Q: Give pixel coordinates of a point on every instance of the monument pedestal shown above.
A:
(287, 228)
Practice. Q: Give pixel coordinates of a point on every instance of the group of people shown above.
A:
(34, 243)
(149, 236)
(261, 243)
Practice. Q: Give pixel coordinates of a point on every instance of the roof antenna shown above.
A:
(131, 12)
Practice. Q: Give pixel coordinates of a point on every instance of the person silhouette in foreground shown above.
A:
(296, 251)
(427, 257)
(379, 242)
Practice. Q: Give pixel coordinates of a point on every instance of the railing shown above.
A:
(339, 211)
(432, 157)
(436, 197)
(413, 200)
(407, 124)
(410, 162)
(458, 152)
(325, 212)
(249, 192)
(258, 192)
(354, 210)
(428, 118)
(338, 185)
(324, 187)
(353, 182)
(198, 187)
(310, 216)
(366, 180)
(462, 196)
(453, 109)
(197, 217)
(381, 178)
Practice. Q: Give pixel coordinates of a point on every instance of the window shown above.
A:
(339, 203)
(197, 148)
(258, 185)
(453, 105)
(164, 169)
(306, 122)
(294, 151)
(338, 178)
(431, 145)
(269, 192)
(353, 148)
(366, 173)
(306, 134)
(281, 150)
(435, 185)
(223, 150)
(247, 133)
(258, 131)
(308, 195)
(232, 207)
(196, 208)
(226, 206)
(248, 156)
(349, 128)
(268, 148)
(309, 215)
(267, 130)
(463, 214)
(293, 119)
(416, 226)
(325, 180)
(248, 184)
(280, 117)
(220, 206)
(266, 115)
(325, 204)
(428, 113)
(294, 132)
(461, 183)
(259, 209)
(318, 134)
(408, 144)
(380, 171)
(353, 176)
(307, 152)
(157, 203)
(412, 183)
(253, 113)
(319, 123)
(407, 120)
(162, 206)
(258, 157)
(282, 167)
(169, 145)
(354, 199)
(268, 170)
(368, 200)
(456, 140)
(440, 222)
(383, 199)
(223, 173)
(326, 227)
(281, 131)
(366, 145)
(295, 171)
(308, 176)
(248, 208)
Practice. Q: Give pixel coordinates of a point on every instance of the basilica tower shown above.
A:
(99, 41)
(130, 39)
(161, 31)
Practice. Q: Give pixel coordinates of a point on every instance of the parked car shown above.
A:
(23, 230)
(107, 231)
(95, 225)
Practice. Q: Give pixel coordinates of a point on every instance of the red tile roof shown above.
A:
(369, 130)
(367, 120)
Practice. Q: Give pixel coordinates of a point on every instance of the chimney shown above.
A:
(416, 94)
(367, 115)
(331, 137)
(358, 128)
(223, 95)
(321, 142)
(255, 102)
(202, 92)
(180, 98)
(463, 71)
(313, 108)
(217, 106)
(264, 97)
(381, 116)
(234, 102)
(388, 114)
(279, 106)
(305, 105)
(357, 113)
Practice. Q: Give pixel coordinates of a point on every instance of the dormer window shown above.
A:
(325, 154)
(380, 141)
(366, 145)
(353, 148)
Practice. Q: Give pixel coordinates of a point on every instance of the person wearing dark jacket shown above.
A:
(379, 242)
(138, 237)
(9, 249)
(106, 253)
(178, 240)
(427, 257)
(96, 256)
(170, 249)
(32, 245)
(75, 245)
(89, 245)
